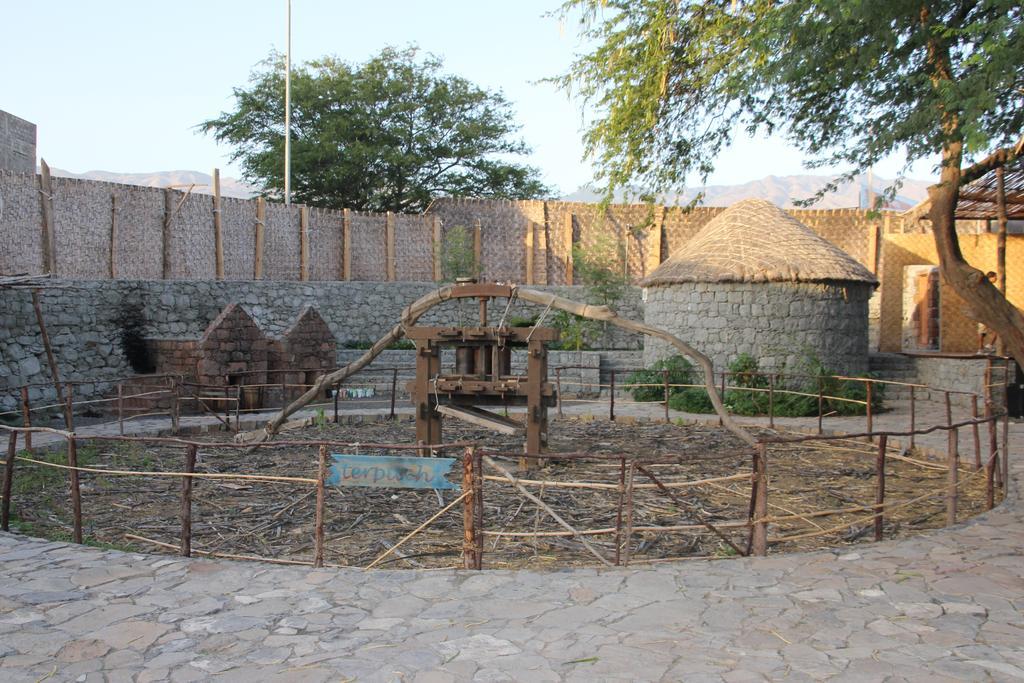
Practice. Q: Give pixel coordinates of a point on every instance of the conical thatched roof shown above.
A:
(756, 241)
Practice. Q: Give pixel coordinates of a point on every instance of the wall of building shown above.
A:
(958, 332)
(85, 320)
(17, 144)
(779, 324)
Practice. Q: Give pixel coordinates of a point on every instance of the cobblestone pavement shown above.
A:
(946, 605)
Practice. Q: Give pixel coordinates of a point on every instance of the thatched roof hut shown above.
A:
(756, 241)
(755, 280)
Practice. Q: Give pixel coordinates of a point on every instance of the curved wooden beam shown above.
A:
(416, 310)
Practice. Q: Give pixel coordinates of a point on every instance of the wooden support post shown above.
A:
(1001, 238)
(469, 541)
(868, 409)
(949, 410)
(723, 396)
(389, 245)
(536, 412)
(12, 453)
(759, 521)
(528, 249)
(478, 249)
(69, 406)
(478, 498)
(627, 543)
(321, 497)
(346, 244)
(567, 243)
(394, 391)
(218, 235)
(664, 380)
(76, 491)
(113, 237)
(175, 404)
(120, 408)
(913, 417)
(880, 486)
(186, 501)
(558, 390)
(821, 406)
(165, 234)
(872, 260)
(1006, 450)
(261, 239)
(304, 243)
(993, 443)
(428, 422)
(49, 242)
(336, 391)
(50, 360)
(618, 512)
(26, 418)
(611, 397)
(976, 433)
(438, 247)
(953, 463)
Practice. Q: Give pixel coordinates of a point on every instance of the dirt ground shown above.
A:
(275, 519)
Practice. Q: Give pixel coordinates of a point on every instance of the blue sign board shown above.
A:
(391, 471)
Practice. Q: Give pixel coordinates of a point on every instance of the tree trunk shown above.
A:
(986, 302)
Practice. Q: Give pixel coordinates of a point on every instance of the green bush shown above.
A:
(745, 373)
(691, 400)
(680, 371)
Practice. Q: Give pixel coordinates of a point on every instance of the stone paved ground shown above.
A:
(942, 606)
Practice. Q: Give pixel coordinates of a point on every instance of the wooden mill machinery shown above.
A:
(482, 373)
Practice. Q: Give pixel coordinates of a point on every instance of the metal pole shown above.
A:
(288, 105)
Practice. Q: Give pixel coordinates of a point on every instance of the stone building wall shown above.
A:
(85, 320)
(17, 144)
(779, 324)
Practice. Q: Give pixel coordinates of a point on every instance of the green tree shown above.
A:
(849, 82)
(387, 135)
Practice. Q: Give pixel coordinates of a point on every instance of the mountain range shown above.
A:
(781, 190)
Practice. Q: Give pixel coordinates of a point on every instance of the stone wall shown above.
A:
(779, 324)
(85, 320)
(959, 374)
(17, 144)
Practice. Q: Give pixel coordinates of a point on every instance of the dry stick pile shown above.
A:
(274, 518)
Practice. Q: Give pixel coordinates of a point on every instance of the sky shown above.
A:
(119, 85)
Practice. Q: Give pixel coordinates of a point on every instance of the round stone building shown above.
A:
(756, 280)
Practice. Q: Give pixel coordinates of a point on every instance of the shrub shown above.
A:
(680, 371)
(691, 400)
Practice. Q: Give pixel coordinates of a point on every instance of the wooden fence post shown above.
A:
(165, 234)
(389, 245)
(438, 247)
(318, 530)
(113, 237)
(478, 249)
(664, 378)
(976, 433)
(469, 560)
(186, 501)
(26, 418)
(69, 407)
(528, 248)
(218, 236)
(120, 408)
(880, 486)
(261, 221)
(304, 243)
(12, 453)
(618, 511)
(913, 417)
(49, 242)
(868, 409)
(76, 491)
(567, 244)
(760, 519)
(953, 463)
(346, 244)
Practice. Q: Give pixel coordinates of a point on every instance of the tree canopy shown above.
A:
(390, 134)
(848, 81)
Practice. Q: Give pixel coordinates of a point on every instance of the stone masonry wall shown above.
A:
(777, 323)
(83, 320)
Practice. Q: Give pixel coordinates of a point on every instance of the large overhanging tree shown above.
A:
(849, 82)
(387, 135)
